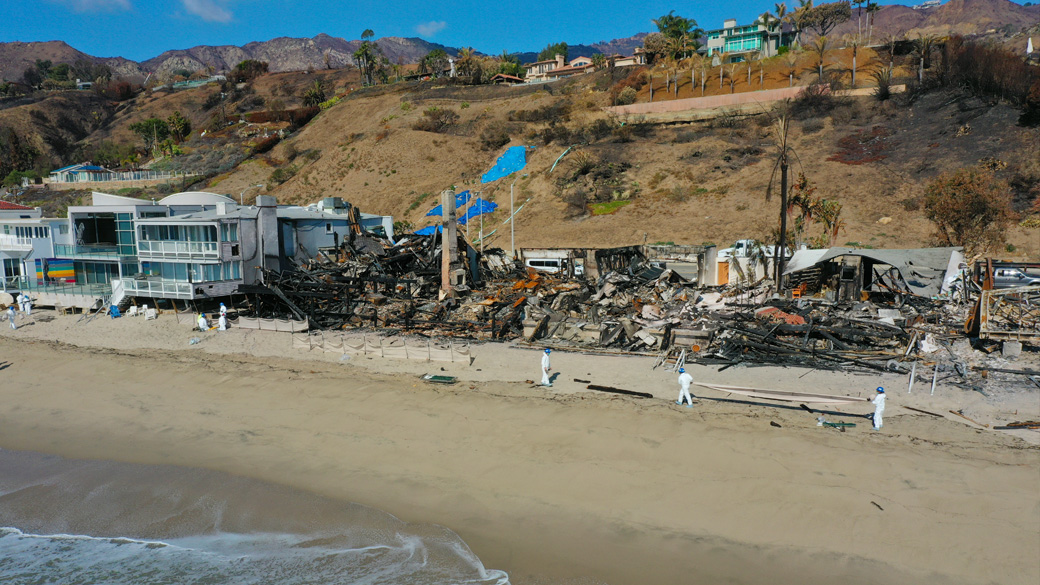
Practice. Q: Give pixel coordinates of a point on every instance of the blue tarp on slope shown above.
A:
(460, 200)
(429, 230)
(479, 207)
(514, 159)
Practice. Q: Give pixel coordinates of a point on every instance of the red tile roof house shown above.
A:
(557, 68)
(10, 210)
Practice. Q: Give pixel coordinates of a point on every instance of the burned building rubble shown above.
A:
(843, 309)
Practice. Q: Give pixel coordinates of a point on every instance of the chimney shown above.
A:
(267, 230)
(559, 60)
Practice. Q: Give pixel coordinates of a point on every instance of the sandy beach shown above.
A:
(558, 485)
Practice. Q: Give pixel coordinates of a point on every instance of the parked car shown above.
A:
(1013, 278)
(553, 266)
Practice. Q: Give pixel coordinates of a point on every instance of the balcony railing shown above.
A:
(157, 288)
(21, 283)
(93, 251)
(15, 243)
(178, 250)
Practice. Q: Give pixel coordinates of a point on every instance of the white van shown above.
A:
(553, 266)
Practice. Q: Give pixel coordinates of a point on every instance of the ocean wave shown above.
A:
(238, 559)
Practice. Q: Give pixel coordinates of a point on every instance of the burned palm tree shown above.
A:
(781, 140)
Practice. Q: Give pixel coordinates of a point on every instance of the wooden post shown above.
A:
(449, 239)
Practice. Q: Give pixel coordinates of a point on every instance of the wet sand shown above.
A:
(558, 485)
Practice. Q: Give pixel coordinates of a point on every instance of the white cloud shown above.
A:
(208, 10)
(95, 5)
(428, 29)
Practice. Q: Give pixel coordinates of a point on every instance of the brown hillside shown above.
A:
(16, 56)
(965, 17)
(687, 183)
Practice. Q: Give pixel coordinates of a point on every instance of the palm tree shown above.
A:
(599, 60)
(466, 62)
(829, 214)
(820, 48)
(722, 61)
(923, 47)
(852, 42)
(859, 17)
(760, 58)
(780, 137)
(732, 73)
(799, 17)
(872, 9)
(705, 65)
(791, 67)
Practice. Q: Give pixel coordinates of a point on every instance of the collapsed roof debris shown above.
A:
(847, 309)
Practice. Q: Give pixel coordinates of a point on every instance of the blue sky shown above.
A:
(141, 29)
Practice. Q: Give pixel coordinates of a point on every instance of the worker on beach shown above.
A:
(223, 310)
(546, 368)
(684, 388)
(222, 322)
(879, 407)
(25, 303)
(11, 315)
(203, 324)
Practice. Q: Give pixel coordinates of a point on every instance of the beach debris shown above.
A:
(613, 390)
(435, 379)
(961, 414)
(923, 411)
(775, 424)
(1032, 425)
(877, 505)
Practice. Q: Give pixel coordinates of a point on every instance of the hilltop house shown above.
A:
(81, 172)
(558, 68)
(738, 43)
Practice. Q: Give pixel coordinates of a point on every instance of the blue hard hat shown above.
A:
(547, 350)
(880, 390)
(682, 370)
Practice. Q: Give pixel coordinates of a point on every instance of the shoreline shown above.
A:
(565, 484)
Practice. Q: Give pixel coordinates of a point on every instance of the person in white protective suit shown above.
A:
(203, 324)
(546, 368)
(27, 305)
(879, 407)
(11, 316)
(222, 323)
(684, 388)
(223, 310)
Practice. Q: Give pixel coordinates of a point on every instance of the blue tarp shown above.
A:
(460, 200)
(514, 159)
(479, 207)
(429, 230)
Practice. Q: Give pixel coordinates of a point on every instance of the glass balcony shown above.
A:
(21, 283)
(157, 288)
(171, 250)
(94, 251)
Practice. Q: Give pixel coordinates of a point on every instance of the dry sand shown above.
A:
(560, 485)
